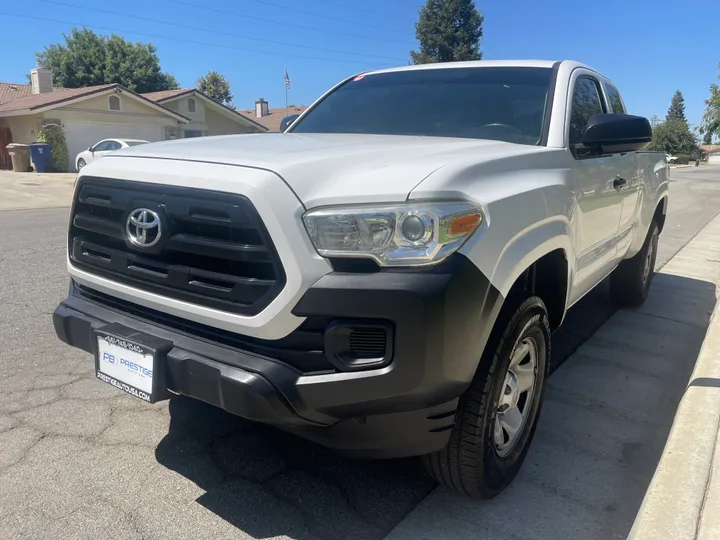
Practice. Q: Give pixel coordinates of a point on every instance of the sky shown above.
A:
(649, 49)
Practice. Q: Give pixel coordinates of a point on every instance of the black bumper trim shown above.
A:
(442, 318)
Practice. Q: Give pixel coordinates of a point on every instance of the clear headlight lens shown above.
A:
(407, 234)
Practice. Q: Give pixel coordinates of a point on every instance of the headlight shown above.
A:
(406, 234)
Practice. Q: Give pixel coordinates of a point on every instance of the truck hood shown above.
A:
(324, 169)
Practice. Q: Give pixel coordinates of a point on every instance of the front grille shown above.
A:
(303, 349)
(214, 249)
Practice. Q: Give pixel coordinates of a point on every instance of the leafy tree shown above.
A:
(217, 87)
(674, 137)
(677, 107)
(448, 31)
(707, 138)
(89, 59)
(711, 118)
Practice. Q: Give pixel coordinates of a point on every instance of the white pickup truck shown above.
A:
(383, 278)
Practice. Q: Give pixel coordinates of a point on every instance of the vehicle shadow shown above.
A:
(606, 418)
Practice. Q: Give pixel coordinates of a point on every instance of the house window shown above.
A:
(191, 105)
(192, 133)
(114, 103)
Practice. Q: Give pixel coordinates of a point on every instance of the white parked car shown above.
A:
(383, 278)
(104, 147)
(670, 159)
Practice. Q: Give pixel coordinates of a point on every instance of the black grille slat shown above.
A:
(209, 247)
(214, 248)
(99, 225)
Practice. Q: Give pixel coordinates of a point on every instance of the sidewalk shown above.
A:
(605, 421)
(24, 191)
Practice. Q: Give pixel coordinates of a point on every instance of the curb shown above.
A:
(686, 485)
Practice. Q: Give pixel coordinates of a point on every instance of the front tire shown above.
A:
(497, 415)
(630, 281)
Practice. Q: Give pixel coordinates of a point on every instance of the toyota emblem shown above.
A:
(143, 227)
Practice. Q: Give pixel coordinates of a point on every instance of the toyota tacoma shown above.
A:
(382, 278)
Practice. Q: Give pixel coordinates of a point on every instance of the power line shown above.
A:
(362, 10)
(216, 31)
(322, 16)
(182, 40)
(292, 25)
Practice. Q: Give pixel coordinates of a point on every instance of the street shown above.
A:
(80, 459)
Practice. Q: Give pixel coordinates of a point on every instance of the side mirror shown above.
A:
(90, 148)
(616, 133)
(287, 121)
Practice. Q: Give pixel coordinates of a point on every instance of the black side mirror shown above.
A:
(285, 123)
(616, 133)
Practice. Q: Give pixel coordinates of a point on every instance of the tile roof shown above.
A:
(58, 95)
(166, 94)
(272, 120)
(12, 91)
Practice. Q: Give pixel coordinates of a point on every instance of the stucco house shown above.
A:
(88, 115)
(206, 116)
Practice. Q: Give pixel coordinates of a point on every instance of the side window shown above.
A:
(585, 102)
(614, 99)
(101, 146)
(114, 145)
(191, 104)
(114, 103)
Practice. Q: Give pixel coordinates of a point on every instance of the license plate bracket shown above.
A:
(132, 361)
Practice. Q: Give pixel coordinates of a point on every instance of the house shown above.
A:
(88, 115)
(271, 118)
(711, 153)
(206, 116)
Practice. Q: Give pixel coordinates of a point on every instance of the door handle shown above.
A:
(619, 182)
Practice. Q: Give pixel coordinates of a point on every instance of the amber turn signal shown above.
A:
(464, 224)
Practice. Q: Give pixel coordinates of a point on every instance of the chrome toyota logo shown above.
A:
(143, 227)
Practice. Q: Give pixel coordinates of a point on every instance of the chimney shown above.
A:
(261, 108)
(41, 80)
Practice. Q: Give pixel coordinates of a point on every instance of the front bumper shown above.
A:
(440, 318)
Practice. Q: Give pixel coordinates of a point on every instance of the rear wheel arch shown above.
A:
(661, 213)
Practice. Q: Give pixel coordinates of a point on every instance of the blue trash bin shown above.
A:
(40, 153)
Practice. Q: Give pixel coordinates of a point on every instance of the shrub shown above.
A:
(54, 134)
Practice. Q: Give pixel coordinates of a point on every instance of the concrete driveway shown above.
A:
(78, 459)
(29, 190)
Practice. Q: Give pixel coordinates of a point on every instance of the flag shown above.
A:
(287, 79)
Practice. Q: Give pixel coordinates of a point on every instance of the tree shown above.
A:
(711, 119)
(674, 137)
(448, 31)
(677, 107)
(90, 59)
(707, 138)
(217, 87)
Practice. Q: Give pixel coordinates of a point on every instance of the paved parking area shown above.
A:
(78, 459)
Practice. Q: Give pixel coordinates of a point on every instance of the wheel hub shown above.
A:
(516, 399)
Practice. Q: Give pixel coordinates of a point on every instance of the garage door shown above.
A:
(81, 135)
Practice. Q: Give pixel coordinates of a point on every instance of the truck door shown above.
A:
(631, 176)
(594, 182)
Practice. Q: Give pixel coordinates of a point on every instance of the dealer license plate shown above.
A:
(126, 365)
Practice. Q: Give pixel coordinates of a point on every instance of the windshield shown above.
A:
(505, 104)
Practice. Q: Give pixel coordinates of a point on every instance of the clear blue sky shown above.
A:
(648, 51)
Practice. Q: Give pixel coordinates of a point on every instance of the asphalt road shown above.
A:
(79, 459)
